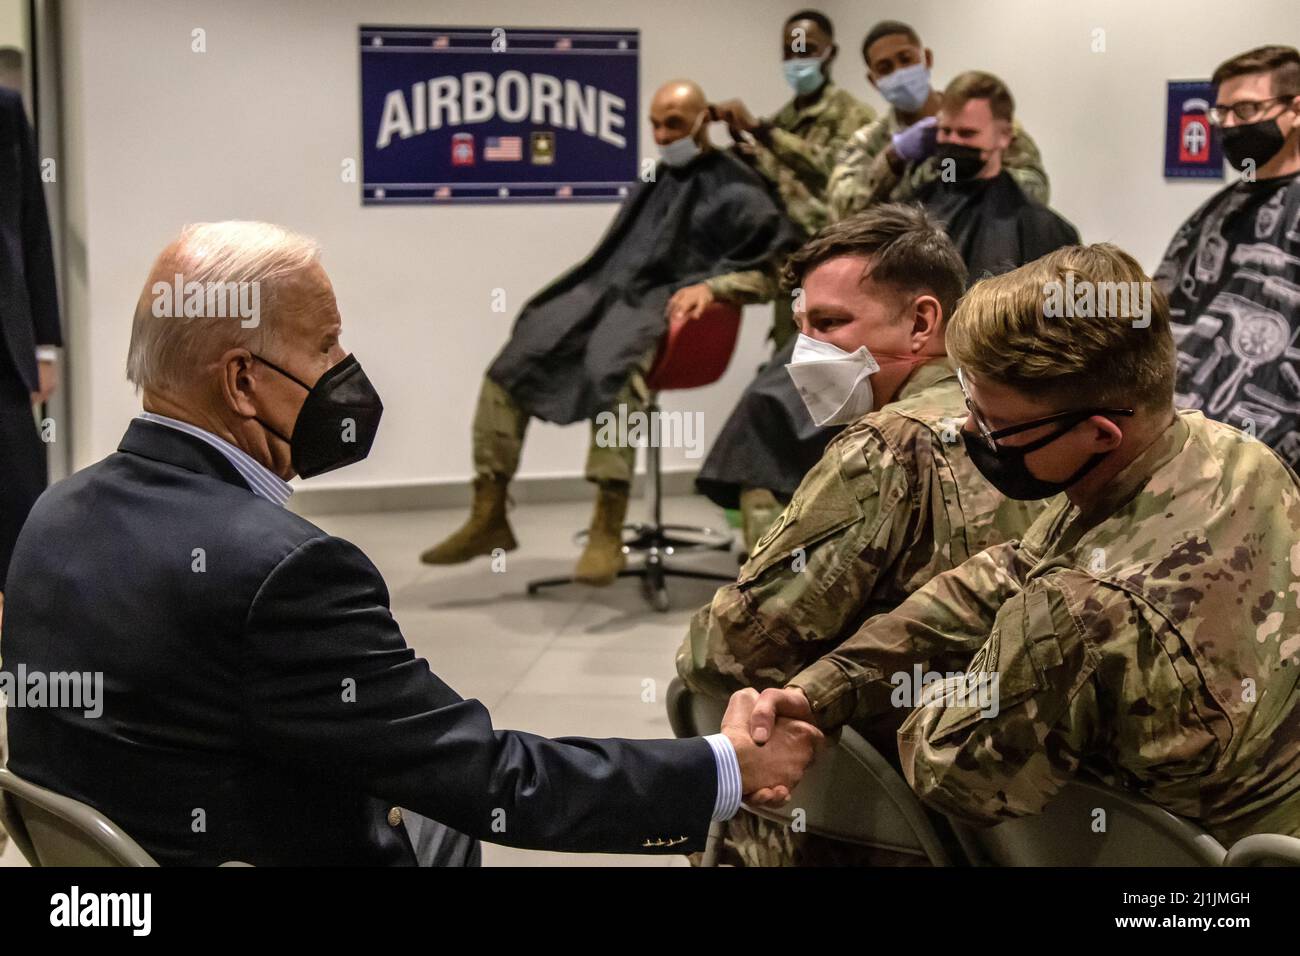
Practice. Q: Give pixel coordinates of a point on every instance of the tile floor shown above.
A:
(572, 661)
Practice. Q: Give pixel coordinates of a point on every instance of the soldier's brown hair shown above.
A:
(907, 249)
(978, 85)
(1010, 329)
(1283, 62)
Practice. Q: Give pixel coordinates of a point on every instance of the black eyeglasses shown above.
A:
(1244, 110)
(1068, 420)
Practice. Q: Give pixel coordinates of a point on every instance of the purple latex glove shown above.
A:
(917, 141)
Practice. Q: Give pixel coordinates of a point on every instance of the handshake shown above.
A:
(775, 741)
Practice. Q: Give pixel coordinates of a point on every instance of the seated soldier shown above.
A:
(892, 159)
(768, 441)
(1232, 271)
(796, 149)
(1143, 630)
(583, 344)
(995, 226)
(894, 501)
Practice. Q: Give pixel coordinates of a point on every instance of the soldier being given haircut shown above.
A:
(894, 501)
(1144, 630)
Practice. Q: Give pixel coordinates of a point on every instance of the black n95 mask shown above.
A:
(338, 420)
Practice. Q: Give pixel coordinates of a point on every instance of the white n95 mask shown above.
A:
(835, 385)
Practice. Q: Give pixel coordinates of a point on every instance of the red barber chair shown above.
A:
(691, 354)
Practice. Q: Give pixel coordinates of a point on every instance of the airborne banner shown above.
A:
(496, 114)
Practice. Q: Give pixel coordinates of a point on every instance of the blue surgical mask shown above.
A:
(681, 151)
(906, 89)
(804, 74)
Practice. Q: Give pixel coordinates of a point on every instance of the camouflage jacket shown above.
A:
(804, 144)
(893, 502)
(862, 176)
(1153, 641)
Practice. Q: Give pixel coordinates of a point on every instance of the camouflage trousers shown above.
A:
(750, 840)
(500, 424)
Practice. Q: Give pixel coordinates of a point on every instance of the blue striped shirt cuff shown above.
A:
(724, 754)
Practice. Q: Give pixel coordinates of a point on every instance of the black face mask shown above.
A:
(338, 420)
(967, 161)
(1256, 143)
(1006, 470)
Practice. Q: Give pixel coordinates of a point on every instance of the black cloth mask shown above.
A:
(1254, 142)
(967, 161)
(338, 420)
(1006, 470)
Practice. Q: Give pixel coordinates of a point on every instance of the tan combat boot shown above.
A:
(603, 557)
(486, 530)
(758, 509)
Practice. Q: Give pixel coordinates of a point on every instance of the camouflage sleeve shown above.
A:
(810, 577)
(1003, 742)
(751, 287)
(858, 170)
(1002, 739)
(952, 615)
(812, 162)
(1025, 164)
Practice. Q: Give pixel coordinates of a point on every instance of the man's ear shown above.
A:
(927, 316)
(929, 59)
(1108, 435)
(1005, 132)
(238, 385)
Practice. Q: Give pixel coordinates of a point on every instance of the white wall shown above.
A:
(258, 126)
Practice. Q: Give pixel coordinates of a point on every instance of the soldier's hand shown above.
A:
(777, 702)
(736, 115)
(689, 302)
(769, 773)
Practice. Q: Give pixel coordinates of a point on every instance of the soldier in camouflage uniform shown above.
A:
(1145, 628)
(893, 502)
(891, 158)
(795, 150)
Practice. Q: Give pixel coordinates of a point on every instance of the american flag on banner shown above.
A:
(503, 148)
(564, 43)
(564, 192)
(441, 42)
(442, 192)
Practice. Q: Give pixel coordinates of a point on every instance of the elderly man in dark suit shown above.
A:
(29, 323)
(259, 702)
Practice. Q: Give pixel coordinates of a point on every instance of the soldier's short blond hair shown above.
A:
(1032, 329)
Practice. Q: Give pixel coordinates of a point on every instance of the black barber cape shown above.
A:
(768, 441)
(575, 342)
(995, 226)
(1232, 274)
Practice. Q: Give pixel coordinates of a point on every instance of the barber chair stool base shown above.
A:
(656, 543)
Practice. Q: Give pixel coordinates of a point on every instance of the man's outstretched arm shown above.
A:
(333, 690)
(952, 615)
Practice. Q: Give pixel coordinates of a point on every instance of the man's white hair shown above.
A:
(168, 350)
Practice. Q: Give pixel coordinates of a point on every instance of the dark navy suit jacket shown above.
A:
(266, 708)
(29, 308)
